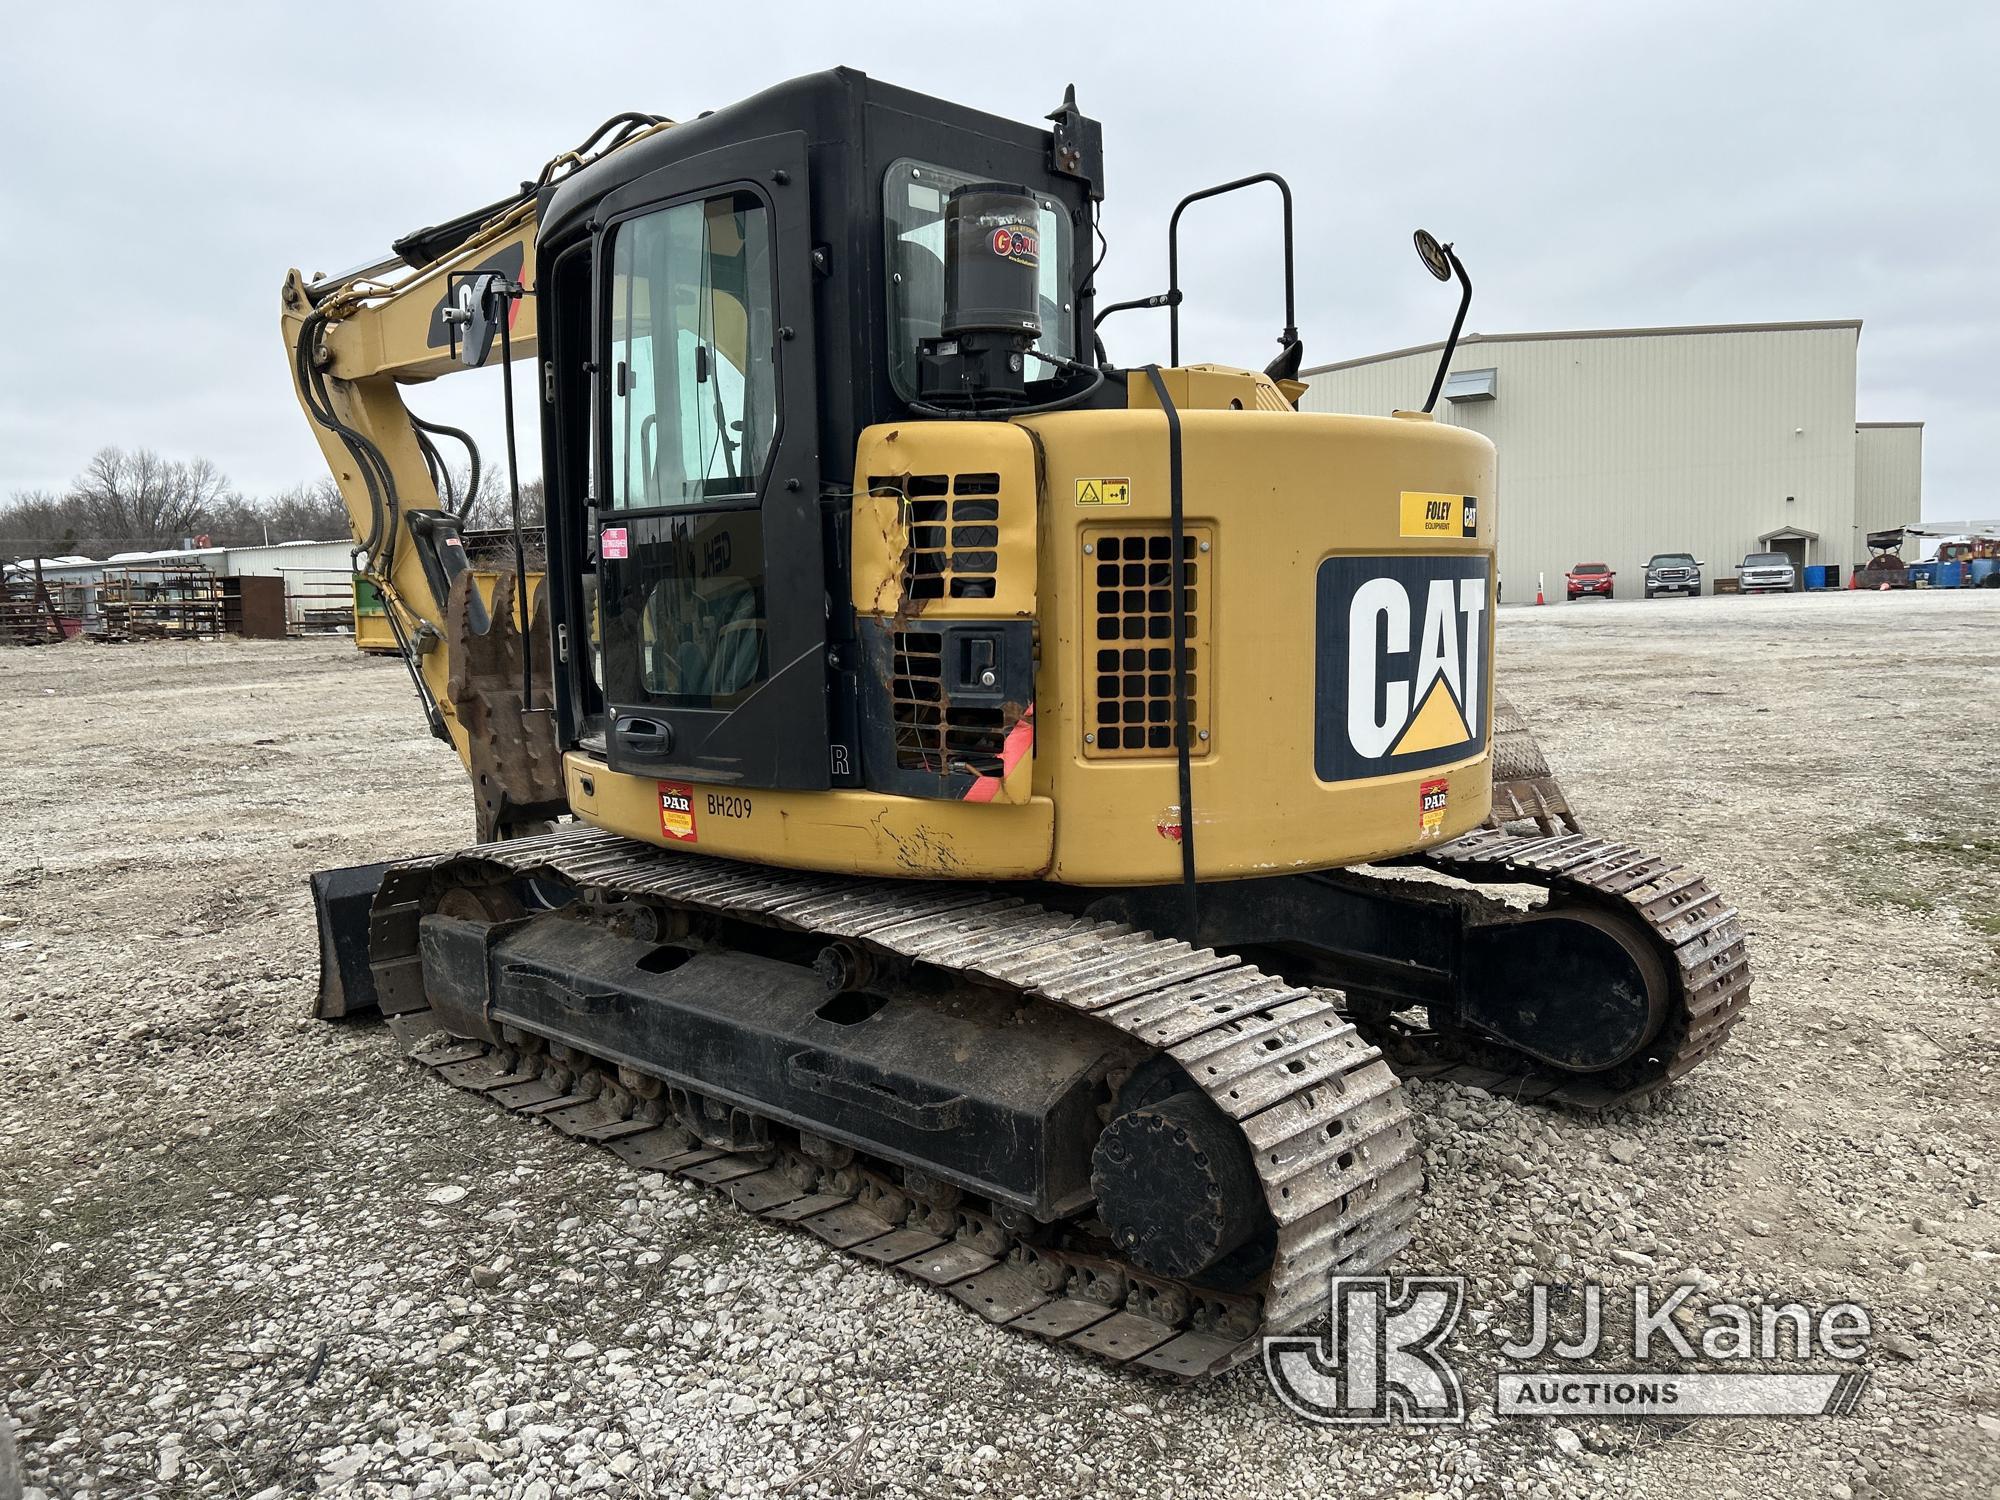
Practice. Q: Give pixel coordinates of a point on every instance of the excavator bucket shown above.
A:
(515, 765)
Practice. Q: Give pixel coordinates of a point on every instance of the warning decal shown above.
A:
(677, 811)
(1104, 492)
(1427, 515)
(1432, 799)
(612, 543)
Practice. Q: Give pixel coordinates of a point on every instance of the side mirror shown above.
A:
(473, 315)
(1432, 254)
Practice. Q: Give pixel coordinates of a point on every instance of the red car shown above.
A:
(1590, 578)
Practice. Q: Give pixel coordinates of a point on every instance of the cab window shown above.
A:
(693, 381)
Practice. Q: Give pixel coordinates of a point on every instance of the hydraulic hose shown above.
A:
(458, 435)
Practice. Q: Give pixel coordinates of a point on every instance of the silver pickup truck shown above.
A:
(1765, 573)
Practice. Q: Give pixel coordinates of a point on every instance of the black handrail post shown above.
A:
(1291, 334)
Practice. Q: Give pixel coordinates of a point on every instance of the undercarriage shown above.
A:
(1152, 1148)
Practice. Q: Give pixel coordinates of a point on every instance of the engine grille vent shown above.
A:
(933, 734)
(1128, 689)
(954, 523)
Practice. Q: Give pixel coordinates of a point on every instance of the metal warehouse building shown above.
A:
(1617, 443)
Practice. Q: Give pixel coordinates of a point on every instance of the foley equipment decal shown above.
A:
(1400, 677)
(1439, 517)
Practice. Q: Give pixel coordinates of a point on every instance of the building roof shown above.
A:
(1954, 528)
(162, 554)
(71, 564)
(1591, 333)
(165, 554)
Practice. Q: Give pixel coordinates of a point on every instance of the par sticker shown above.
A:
(677, 811)
(1399, 678)
(612, 544)
(1104, 492)
(1433, 797)
(1012, 242)
(1439, 517)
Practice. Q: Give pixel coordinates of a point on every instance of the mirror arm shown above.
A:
(1457, 326)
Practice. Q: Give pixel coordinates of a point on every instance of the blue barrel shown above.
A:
(1816, 575)
(1923, 575)
(1980, 569)
(1950, 575)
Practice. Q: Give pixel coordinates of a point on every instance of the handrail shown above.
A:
(1291, 334)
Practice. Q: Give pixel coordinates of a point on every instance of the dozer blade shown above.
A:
(342, 901)
(1525, 790)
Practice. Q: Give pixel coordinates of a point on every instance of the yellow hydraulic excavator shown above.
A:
(925, 793)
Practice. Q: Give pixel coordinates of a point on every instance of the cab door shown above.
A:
(711, 590)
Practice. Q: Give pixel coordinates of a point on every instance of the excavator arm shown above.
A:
(356, 342)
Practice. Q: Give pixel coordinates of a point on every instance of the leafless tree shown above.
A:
(36, 523)
(137, 501)
(143, 500)
(492, 508)
(311, 512)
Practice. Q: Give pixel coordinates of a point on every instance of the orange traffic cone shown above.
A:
(1538, 590)
(1854, 580)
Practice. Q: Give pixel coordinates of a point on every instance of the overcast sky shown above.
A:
(1596, 164)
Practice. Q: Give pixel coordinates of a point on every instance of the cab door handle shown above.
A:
(644, 736)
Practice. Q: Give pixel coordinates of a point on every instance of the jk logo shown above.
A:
(1380, 1361)
(1400, 673)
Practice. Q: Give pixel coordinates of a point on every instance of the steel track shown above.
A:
(1322, 1112)
(1700, 936)
(1317, 1101)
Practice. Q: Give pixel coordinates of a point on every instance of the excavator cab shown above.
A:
(727, 305)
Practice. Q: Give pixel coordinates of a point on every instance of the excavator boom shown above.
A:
(357, 342)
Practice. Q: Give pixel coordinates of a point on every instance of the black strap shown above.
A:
(1183, 733)
(504, 296)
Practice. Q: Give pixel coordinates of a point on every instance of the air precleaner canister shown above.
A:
(992, 261)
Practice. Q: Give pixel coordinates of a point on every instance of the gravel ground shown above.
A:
(246, 1254)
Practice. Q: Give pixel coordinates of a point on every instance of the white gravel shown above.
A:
(244, 1254)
